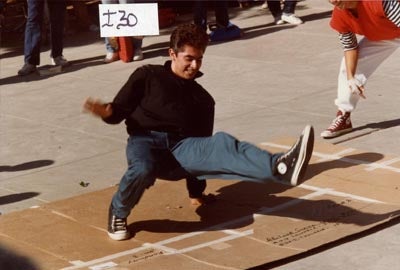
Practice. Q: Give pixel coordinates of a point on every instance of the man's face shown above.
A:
(186, 63)
(344, 4)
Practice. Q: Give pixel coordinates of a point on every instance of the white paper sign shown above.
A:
(122, 20)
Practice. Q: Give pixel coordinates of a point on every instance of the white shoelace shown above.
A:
(337, 122)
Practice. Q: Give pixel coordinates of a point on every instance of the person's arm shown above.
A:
(350, 48)
(98, 108)
(392, 10)
(124, 103)
(351, 59)
(128, 97)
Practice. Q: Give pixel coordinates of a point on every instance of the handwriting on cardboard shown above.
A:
(122, 20)
(147, 254)
(332, 215)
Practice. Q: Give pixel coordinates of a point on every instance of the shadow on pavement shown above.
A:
(341, 163)
(380, 125)
(316, 16)
(75, 65)
(9, 260)
(264, 29)
(17, 197)
(371, 128)
(27, 165)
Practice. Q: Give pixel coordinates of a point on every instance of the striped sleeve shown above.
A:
(392, 10)
(348, 40)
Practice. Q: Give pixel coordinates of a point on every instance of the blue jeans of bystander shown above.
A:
(36, 9)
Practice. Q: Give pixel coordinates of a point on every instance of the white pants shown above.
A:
(370, 55)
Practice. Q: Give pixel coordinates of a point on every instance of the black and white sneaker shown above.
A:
(292, 165)
(117, 227)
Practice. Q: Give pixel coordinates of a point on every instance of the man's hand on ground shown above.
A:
(204, 199)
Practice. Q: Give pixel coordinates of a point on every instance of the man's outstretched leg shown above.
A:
(223, 156)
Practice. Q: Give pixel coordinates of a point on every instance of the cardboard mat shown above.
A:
(347, 191)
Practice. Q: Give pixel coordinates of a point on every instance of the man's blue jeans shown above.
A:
(33, 33)
(159, 155)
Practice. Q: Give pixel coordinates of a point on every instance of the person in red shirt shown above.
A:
(378, 22)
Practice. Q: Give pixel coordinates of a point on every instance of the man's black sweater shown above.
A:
(154, 98)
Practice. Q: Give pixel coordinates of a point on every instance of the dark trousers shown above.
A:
(220, 9)
(33, 29)
(276, 9)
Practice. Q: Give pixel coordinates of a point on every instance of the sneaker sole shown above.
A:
(336, 134)
(26, 73)
(119, 236)
(293, 23)
(289, 21)
(306, 149)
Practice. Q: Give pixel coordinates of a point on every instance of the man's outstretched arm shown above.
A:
(98, 108)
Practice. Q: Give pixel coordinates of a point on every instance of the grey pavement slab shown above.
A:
(268, 84)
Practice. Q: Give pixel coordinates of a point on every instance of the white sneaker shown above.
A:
(59, 61)
(278, 20)
(137, 55)
(117, 227)
(26, 69)
(111, 57)
(291, 18)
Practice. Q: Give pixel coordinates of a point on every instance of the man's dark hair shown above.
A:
(188, 34)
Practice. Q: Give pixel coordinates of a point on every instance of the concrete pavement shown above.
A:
(268, 84)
